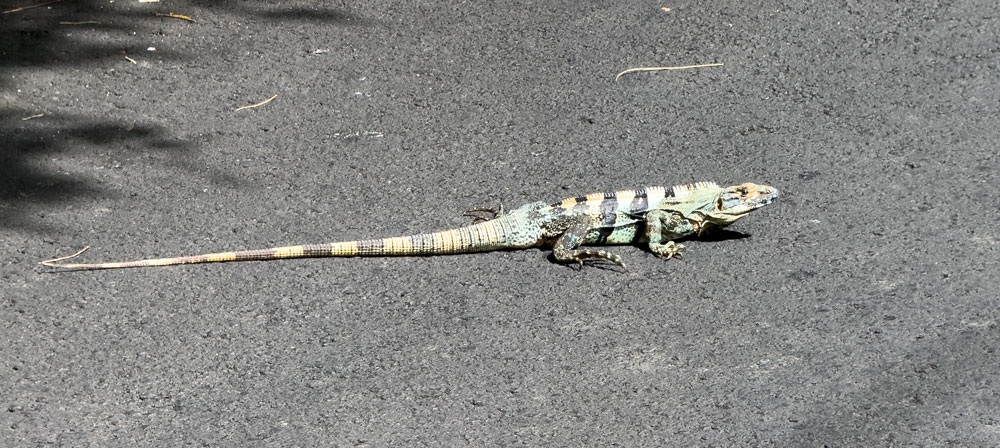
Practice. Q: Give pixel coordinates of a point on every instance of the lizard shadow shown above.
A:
(331, 16)
(599, 263)
(717, 235)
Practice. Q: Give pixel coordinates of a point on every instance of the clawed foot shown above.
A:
(669, 250)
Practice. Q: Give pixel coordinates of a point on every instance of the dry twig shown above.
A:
(33, 116)
(85, 22)
(653, 69)
(31, 6)
(257, 105)
(176, 16)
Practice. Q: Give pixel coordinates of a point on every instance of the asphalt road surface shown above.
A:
(861, 309)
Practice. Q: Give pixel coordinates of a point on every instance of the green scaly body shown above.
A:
(655, 216)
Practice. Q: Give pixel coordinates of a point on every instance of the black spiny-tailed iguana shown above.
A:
(654, 215)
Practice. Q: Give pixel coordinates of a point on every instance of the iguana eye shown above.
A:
(742, 191)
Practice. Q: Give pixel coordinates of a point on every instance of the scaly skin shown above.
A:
(654, 215)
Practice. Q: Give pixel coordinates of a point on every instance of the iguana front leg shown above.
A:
(662, 227)
(566, 247)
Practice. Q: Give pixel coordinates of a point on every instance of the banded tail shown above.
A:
(507, 232)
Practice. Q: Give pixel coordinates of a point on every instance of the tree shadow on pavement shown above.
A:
(82, 36)
(331, 16)
(36, 42)
(28, 179)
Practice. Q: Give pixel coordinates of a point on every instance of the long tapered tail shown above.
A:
(507, 232)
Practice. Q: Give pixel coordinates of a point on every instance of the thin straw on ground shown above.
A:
(654, 69)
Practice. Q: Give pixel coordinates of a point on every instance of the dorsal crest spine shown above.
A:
(681, 190)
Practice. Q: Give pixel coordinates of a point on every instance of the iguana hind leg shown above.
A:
(566, 249)
(477, 217)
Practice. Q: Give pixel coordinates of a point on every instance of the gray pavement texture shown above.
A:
(859, 310)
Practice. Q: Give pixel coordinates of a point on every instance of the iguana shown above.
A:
(654, 215)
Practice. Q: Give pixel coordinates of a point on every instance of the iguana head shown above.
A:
(707, 203)
(734, 202)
